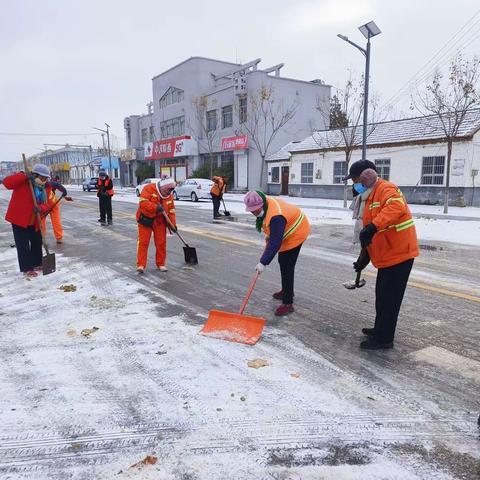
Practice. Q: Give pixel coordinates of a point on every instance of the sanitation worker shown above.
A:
(286, 228)
(390, 238)
(21, 214)
(54, 209)
(218, 189)
(105, 193)
(155, 200)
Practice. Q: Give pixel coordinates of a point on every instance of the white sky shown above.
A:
(69, 65)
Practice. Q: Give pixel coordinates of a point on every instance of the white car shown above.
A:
(194, 189)
(139, 187)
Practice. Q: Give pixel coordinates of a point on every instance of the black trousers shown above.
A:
(105, 205)
(287, 261)
(216, 204)
(29, 247)
(389, 291)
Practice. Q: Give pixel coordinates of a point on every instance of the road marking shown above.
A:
(440, 357)
(430, 288)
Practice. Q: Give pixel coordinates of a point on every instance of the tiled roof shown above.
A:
(396, 131)
(283, 153)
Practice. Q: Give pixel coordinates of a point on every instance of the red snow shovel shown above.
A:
(48, 261)
(235, 327)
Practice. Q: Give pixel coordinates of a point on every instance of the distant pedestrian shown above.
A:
(21, 214)
(390, 238)
(286, 228)
(105, 193)
(217, 191)
(156, 199)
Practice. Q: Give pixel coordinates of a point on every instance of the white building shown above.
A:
(173, 135)
(410, 152)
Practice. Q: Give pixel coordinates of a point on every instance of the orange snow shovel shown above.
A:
(235, 327)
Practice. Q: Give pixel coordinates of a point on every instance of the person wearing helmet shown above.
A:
(155, 200)
(22, 215)
(286, 228)
(105, 193)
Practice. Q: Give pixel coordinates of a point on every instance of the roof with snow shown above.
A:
(283, 153)
(408, 130)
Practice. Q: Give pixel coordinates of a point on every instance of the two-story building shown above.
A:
(200, 114)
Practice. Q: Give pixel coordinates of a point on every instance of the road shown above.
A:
(429, 381)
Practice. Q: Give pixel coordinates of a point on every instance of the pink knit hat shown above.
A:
(369, 177)
(253, 201)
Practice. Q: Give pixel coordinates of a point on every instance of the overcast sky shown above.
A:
(68, 65)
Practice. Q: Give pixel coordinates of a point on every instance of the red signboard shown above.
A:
(170, 148)
(235, 143)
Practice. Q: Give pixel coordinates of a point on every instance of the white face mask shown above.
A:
(260, 214)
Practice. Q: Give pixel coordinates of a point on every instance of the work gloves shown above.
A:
(362, 261)
(260, 267)
(160, 209)
(366, 235)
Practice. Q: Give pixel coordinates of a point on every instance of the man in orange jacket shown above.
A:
(155, 200)
(217, 191)
(390, 238)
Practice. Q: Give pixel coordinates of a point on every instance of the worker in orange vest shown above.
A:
(218, 189)
(390, 239)
(155, 200)
(105, 193)
(286, 228)
(54, 209)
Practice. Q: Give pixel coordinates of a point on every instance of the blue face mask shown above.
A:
(359, 188)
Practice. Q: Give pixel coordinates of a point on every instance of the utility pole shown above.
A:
(107, 131)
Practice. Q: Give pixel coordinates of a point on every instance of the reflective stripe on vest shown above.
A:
(375, 205)
(404, 225)
(294, 226)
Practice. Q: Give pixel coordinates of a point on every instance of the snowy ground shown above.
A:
(331, 212)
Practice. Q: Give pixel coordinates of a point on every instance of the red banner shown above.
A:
(170, 147)
(235, 143)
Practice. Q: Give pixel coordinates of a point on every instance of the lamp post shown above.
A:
(107, 131)
(368, 30)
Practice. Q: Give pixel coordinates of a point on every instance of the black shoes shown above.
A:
(370, 332)
(373, 344)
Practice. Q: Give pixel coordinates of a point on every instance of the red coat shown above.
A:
(20, 209)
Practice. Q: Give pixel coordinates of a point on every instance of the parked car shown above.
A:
(90, 183)
(194, 189)
(139, 187)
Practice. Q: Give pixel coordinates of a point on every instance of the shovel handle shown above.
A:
(172, 226)
(249, 293)
(37, 215)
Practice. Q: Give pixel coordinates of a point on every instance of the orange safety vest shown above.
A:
(396, 239)
(297, 228)
(218, 187)
(103, 183)
(149, 200)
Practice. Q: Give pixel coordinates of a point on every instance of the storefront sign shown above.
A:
(170, 148)
(235, 143)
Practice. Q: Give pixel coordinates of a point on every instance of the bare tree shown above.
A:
(450, 99)
(207, 130)
(345, 113)
(265, 118)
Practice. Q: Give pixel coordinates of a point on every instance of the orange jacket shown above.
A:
(396, 239)
(297, 228)
(149, 200)
(219, 186)
(105, 184)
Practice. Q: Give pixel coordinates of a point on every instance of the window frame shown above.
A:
(227, 115)
(277, 169)
(437, 161)
(211, 120)
(337, 179)
(381, 167)
(306, 177)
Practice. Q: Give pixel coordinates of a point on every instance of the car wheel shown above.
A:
(194, 197)
(88, 189)
(84, 188)
(137, 193)
(175, 196)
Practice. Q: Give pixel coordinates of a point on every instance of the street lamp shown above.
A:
(368, 30)
(107, 131)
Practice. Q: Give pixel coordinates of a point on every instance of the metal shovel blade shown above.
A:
(355, 284)
(190, 254)
(48, 264)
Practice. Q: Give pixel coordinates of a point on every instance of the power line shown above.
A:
(45, 134)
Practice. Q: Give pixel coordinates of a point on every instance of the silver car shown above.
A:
(194, 189)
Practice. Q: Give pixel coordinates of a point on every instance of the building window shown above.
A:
(174, 127)
(227, 116)
(383, 168)
(339, 171)
(226, 159)
(242, 114)
(152, 134)
(211, 120)
(275, 175)
(433, 169)
(172, 95)
(145, 136)
(307, 173)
